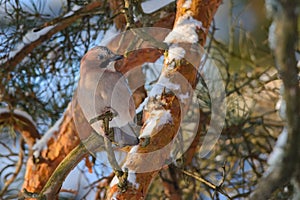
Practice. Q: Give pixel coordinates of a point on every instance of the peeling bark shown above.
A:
(38, 172)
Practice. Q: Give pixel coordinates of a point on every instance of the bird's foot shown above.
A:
(110, 134)
(107, 116)
(145, 141)
(122, 176)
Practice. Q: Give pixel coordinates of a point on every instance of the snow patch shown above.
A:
(272, 36)
(163, 83)
(175, 53)
(185, 30)
(42, 143)
(114, 181)
(156, 119)
(184, 97)
(132, 179)
(28, 38)
(156, 90)
(168, 84)
(281, 104)
(74, 8)
(134, 149)
(142, 105)
(34, 35)
(278, 151)
(187, 4)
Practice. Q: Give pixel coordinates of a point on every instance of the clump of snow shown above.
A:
(175, 53)
(281, 104)
(187, 4)
(151, 6)
(163, 83)
(156, 119)
(134, 149)
(31, 36)
(132, 179)
(168, 84)
(165, 118)
(14, 52)
(184, 97)
(18, 112)
(142, 105)
(185, 30)
(156, 90)
(74, 8)
(272, 36)
(42, 143)
(114, 181)
(69, 14)
(281, 107)
(278, 151)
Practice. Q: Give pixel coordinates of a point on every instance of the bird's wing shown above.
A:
(121, 101)
(86, 93)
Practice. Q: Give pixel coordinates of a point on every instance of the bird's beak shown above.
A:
(117, 57)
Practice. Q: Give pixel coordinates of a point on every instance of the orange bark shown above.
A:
(203, 11)
(116, 6)
(38, 173)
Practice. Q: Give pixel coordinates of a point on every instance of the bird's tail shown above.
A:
(126, 135)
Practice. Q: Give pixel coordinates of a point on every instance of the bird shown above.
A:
(105, 98)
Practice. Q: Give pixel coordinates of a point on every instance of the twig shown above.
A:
(206, 182)
(19, 165)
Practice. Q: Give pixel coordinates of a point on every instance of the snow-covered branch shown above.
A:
(34, 38)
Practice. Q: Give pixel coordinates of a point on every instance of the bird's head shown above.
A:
(100, 56)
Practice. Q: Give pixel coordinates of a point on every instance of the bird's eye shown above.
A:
(101, 56)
